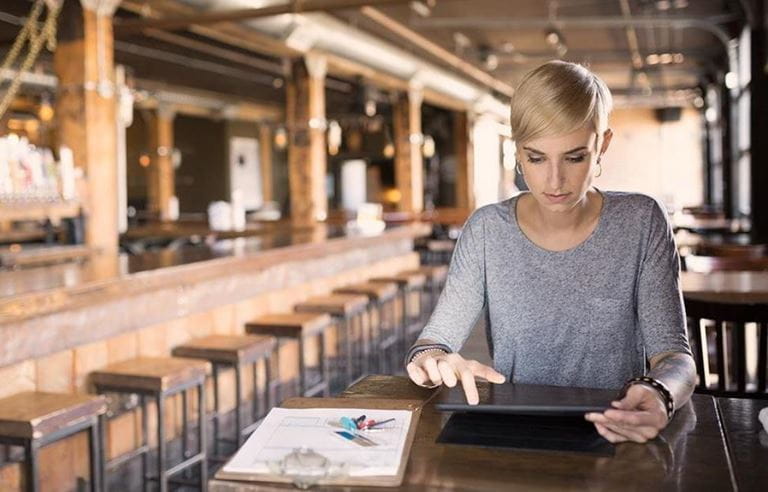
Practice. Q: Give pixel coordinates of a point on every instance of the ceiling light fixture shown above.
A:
(421, 9)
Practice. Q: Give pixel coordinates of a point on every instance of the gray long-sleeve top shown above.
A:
(589, 316)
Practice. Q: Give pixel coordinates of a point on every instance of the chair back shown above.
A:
(724, 338)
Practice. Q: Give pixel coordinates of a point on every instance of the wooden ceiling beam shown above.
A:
(437, 51)
(234, 15)
(229, 33)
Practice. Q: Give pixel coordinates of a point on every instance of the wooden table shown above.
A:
(735, 287)
(747, 441)
(716, 225)
(692, 454)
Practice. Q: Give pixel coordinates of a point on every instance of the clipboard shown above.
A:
(374, 481)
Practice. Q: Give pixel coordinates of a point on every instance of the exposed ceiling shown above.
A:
(643, 49)
(653, 52)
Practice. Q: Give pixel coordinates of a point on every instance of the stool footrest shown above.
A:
(184, 464)
(127, 457)
(316, 389)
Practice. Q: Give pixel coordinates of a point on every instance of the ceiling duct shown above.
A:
(324, 33)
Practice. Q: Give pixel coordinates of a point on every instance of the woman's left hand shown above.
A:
(638, 417)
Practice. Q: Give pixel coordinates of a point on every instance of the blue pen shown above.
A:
(348, 424)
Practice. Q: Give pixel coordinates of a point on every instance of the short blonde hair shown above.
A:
(558, 98)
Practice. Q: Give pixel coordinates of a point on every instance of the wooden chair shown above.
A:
(299, 327)
(160, 378)
(719, 340)
(706, 264)
(34, 419)
(731, 250)
(234, 351)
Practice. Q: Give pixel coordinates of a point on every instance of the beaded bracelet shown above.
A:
(417, 349)
(661, 388)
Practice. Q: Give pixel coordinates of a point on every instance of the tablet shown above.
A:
(527, 399)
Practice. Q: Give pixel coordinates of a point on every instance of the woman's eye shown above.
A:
(534, 159)
(576, 158)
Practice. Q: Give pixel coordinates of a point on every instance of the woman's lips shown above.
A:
(557, 198)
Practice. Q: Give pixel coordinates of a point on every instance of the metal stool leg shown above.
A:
(145, 442)
(30, 466)
(238, 407)
(348, 354)
(268, 396)
(323, 363)
(302, 368)
(215, 377)
(95, 454)
(184, 431)
(201, 428)
(254, 399)
(162, 479)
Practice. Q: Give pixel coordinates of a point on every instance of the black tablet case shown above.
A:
(527, 399)
(527, 432)
(530, 417)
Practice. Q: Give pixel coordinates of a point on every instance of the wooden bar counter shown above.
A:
(693, 453)
(54, 308)
(61, 322)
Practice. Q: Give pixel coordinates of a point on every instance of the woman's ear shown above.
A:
(607, 136)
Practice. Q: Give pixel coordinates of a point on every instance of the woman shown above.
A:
(580, 287)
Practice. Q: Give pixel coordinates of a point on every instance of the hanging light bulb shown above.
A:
(46, 109)
(428, 147)
(281, 138)
(389, 146)
(334, 137)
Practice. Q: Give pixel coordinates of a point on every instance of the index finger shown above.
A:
(487, 373)
(470, 388)
(629, 417)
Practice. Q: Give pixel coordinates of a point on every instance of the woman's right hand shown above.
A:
(433, 368)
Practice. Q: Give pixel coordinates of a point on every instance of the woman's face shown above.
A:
(559, 170)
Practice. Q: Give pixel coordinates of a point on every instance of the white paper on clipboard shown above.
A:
(285, 429)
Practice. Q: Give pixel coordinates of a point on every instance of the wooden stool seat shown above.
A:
(409, 280)
(382, 317)
(159, 378)
(35, 414)
(234, 351)
(336, 304)
(412, 286)
(228, 349)
(377, 291)
(151, 374)
(348, 311)
(433, 273)
(299, 327)
(34, 419)
(441, 245)
(289, 324)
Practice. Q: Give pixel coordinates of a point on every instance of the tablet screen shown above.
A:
(527, 399)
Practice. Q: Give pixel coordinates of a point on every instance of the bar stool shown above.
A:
(234, 351)
(411, 288)
(436, 276)
(160, 378)
(348, 312)
(439, 251)
(299, 327)
(382, 315)
(34, 419)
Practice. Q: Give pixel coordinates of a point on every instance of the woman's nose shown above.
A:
(555, 176)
